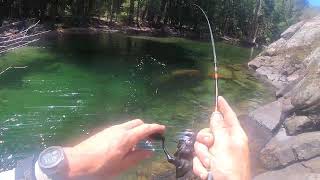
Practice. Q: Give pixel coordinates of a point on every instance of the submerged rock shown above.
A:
(283, 150)
(225, 73)
(305, 170)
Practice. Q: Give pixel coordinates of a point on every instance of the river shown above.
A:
(73, 85)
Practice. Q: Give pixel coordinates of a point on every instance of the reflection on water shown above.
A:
(79, 84)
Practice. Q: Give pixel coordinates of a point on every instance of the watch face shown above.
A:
(51, 157)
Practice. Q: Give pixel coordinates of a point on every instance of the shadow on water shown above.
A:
(98, 52)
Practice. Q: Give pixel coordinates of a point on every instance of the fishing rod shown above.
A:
(214, 58)
(182, 158)
(215, 65)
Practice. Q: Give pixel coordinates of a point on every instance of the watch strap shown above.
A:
(25, 169)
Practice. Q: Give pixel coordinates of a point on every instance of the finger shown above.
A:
(205, 137)
(134, 157)
(199, 169)
(230, 117)
(217, 122)
(202, 153)
(132, 124)
(143, 131)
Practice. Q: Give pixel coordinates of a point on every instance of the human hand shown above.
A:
(222, 148)
(111, 151)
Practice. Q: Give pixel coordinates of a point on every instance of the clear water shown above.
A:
(75, 85)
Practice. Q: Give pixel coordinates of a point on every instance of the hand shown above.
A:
(223, 149)
(111, 151)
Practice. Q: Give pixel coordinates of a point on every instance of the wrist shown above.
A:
(76, 166)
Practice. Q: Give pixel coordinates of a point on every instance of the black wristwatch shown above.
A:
(53, 163)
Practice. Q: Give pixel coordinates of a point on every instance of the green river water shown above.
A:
(74, 85)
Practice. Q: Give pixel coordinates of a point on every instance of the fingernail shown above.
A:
(216, 116)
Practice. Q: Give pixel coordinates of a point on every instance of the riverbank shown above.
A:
(165, 31)
(100, 25)
(292, 66)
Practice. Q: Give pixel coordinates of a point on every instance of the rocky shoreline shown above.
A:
(292, 66)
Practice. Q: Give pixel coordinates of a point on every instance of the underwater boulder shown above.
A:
(181, 74)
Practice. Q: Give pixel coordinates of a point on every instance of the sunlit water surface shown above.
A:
(74, 85)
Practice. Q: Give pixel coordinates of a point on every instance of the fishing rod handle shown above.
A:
(210, 176)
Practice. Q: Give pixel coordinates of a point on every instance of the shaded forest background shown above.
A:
(255, 21)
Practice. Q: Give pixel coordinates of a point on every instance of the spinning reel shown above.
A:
(182, 158)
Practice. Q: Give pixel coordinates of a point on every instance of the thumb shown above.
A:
(219, 130)
(216, 121)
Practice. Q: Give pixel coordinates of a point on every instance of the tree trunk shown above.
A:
(164, 9)
(138, 14)
(131, 12)
(111, 11)
(255, 23)
(91, 7)
(145, 11)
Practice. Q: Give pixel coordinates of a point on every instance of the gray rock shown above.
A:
(284, 150)
(268, 116)
(313, 165)
(285, 61)
(305, 96)
(308, 34)
(306, 170)
(284, 90)
(292, 65)
(299, 124)
(279, 70)
(258, 62)
(292, 30)
(274, 48)
(290, 175)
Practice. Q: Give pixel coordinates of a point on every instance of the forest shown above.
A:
(255, 21)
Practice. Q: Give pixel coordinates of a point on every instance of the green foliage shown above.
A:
(250, 20)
